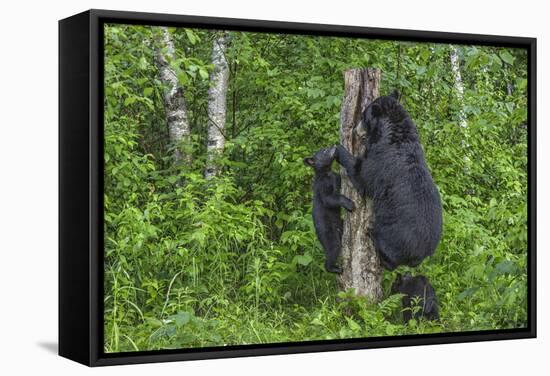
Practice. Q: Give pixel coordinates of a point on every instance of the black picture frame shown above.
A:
(81, 182)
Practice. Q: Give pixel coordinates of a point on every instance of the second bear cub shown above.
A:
(416, 290)
(327, 201)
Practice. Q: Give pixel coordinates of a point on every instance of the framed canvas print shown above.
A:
(236, 187)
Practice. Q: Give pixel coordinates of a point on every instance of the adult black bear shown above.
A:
(327, 201)
(393, 172)
(418, 292)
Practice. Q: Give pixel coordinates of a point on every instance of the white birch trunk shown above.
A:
(459, 86)
(217, 105)
(174, 101)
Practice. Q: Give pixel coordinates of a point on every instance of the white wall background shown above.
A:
(28, 189)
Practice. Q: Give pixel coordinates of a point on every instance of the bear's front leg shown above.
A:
(346, 203)
(336, 201)
(352, 166)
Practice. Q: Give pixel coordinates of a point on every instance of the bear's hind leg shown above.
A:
(384, 252)
(332, 247)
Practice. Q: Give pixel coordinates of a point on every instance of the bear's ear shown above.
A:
(396, 95)
(376, 109)
(308, 161)
(398, 278)
(396, 284)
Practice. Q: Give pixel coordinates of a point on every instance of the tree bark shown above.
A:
(174, 101)
(360, 261)
(217, 106)
(459, 86)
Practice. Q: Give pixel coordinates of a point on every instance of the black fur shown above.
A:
(417, 292)
(327, 201)
(393, 172)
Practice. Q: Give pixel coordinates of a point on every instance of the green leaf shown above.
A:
(467, 293)
(199, 236)
(181, 318)
(182, 78)
(506, 267)
(129, 100)
(191, 36)
(420, 70)
(155, 323)
(203, 73)
(354, 326)
(316, 321)
(142, 63)
(147, 91)
(507, 57)
(304, 260)
(521, 84)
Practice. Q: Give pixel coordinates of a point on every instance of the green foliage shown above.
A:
(191, 262)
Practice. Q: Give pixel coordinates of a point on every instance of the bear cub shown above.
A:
(327, 201)
(393, 173)
(418, 292)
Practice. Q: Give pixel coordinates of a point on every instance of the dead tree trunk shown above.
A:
(360, 261)
(217, 106)
(174, 102)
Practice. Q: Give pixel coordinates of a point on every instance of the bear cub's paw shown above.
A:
(333, 268)
(349, 205)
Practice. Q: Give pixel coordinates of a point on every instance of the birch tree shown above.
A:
(459, 89)
(217, 105)
(174, 101)
(459, 86)
(361, 268)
